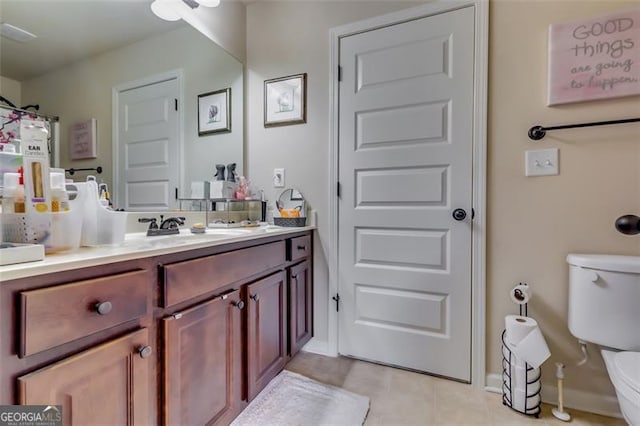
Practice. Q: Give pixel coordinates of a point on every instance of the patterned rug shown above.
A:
(294, 400)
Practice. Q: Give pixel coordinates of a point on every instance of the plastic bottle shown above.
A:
(59, 195)
(8, 193)
(103, 194)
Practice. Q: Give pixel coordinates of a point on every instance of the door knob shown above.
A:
(459, 214)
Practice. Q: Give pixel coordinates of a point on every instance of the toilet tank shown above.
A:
(604, 300)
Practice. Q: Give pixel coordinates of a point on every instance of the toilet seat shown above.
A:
(624, 372)
(627, 365)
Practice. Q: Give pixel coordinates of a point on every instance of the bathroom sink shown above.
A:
(140, 240)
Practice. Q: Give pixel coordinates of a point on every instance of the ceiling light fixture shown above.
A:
(167, 10)
(209, 3)
(163, 10)
(15, 33)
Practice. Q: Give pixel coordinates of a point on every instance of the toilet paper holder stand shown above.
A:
(533, 385)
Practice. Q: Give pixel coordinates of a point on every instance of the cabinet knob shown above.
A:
(239, 304)
(103, 308)
(294, 277)
(145, 351)
(254, 297)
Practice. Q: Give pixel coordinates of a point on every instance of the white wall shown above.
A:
(83, 90)
(285, 38)
(11, 90)
(225, 25)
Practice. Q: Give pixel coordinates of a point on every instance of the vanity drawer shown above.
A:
(300, 247)
(56, 315)
(191, 278)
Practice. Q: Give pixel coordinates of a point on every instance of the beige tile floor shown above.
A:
(400, 397)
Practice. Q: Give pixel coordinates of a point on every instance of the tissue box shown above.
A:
(200, 190)
(222, 189)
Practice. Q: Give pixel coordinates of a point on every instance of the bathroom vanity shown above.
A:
(155, 332)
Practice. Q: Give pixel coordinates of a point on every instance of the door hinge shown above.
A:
(337, 299)
(338, 189)
(339, 73)
(176, 103)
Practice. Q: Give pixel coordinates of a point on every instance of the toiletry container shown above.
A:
(59, 196)
(100, 225)
(66, 221)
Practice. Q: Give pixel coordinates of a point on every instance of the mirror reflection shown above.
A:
(112, 62)
(291, 203)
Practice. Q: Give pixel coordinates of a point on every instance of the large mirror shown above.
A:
(88, 53)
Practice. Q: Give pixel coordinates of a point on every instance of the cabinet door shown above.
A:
(266, 331)
(105, 385)
(203, 363)
(300, 306)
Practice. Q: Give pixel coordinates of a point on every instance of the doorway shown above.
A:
(147, 143)
(409, 164)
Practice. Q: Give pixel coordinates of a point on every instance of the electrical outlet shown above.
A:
(542, 162)
(278, 178)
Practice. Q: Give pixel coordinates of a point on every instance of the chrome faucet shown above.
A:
(168, 226)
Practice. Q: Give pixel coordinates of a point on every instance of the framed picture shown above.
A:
(214, 112)
(83, 139)
(285, 100)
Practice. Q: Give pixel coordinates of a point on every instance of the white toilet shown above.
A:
(604, 308)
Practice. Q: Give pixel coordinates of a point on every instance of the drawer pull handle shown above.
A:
(239, 304)
(103, 308)
(254, 297)
(302, 247)
(145, 351)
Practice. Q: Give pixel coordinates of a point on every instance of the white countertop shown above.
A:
(137, 246)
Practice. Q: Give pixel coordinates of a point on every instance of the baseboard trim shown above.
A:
(315, 346)
(584, 401)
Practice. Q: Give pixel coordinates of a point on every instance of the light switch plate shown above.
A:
(541, 162)
(278, 178)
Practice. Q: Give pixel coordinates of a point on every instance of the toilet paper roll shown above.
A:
(521, 379)
(520, 294)
(523, 403)
(517, 328)
(533, 348)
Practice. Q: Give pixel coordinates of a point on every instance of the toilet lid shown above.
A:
(628, 364)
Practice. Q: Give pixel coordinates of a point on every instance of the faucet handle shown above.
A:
(172, 222)
(152, 221)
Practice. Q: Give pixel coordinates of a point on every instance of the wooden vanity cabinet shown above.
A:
(300, 306)
(108, 384)
(266, 331)
(186, 338)
(203, 362)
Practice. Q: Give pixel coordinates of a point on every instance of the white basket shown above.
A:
(27, 229)
(58, 231)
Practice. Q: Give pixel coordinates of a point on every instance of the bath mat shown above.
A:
(294, 400)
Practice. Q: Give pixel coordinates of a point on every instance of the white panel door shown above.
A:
(405, 164)
(148, 152)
